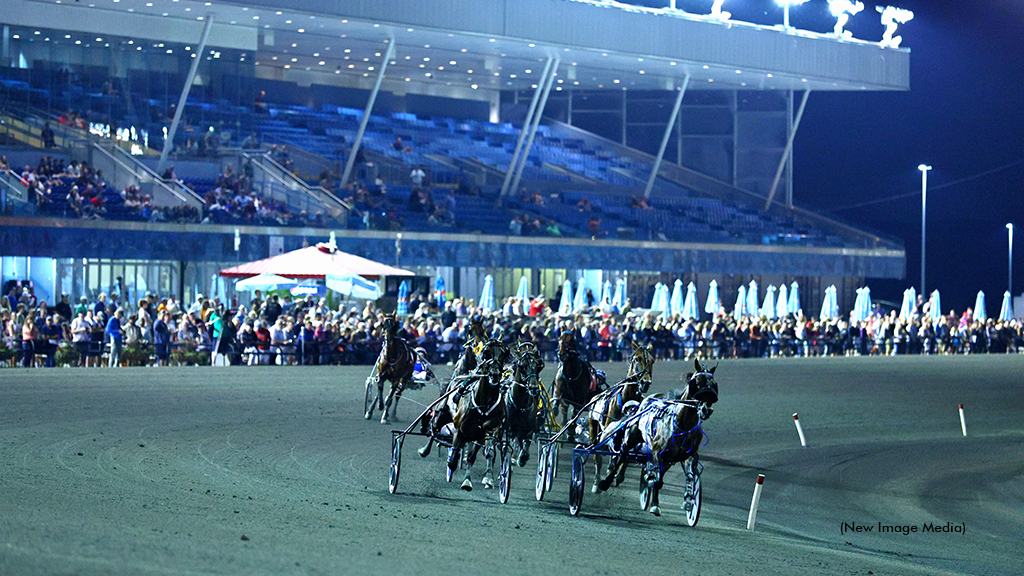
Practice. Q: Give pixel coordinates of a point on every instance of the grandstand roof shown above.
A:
(462, 47)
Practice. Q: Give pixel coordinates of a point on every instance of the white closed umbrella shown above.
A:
(712, 305)
(741, 302)
(752, 304)
(565, 304)
(1006, 310)
(675, 305)
(794, 298)
(782, 307)
(979, 307)
(690, 303)
(768, 306)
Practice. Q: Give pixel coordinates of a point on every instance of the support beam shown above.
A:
(196, 59)
(366, 114)
(788, 150)
(664, 139)
(527, 122)
(547, 83)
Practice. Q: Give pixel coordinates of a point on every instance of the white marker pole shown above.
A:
(755, 501)
(963, 423)
(799, 430)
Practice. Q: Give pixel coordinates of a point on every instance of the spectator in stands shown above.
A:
(584, 205)
(259, 106)
(251, 142)
(515, 226)
(417, 175)
(168, 174)
(639, 202)
(400, 146)
(5, 166)
(595, 228)
(47, 136)
(536, 198)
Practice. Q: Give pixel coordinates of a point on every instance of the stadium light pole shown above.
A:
(924, 168)
(785, 9)
(1009, 262)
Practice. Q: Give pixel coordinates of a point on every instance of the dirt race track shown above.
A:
(274, 471)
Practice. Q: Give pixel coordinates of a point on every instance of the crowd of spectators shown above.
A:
(277, 330)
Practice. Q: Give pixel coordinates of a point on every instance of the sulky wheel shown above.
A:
(576, 484)
(396, 461)
(542, 471)
(371, 398)
(505, 473)
(692, 505)
(552, 465)
(646, 492)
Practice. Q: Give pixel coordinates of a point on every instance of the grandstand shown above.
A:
(455, 91)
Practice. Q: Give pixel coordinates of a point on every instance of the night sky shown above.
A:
(856, 154)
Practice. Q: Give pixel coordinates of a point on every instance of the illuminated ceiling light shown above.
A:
(426, 59)
(99, 39)
(642, 72)
(576, 83)
(511, 75)
(769, 75)
(463, 50)
(440, 67)
(532, 45)
(711, 79)
(287, 66)
(706, 67)
(348, 50)
(428, 74)
(671, 63)
(528, 71)
(492, 40)
(469, 71)
(408, 29)
(316, 54)
(295, 59)
(351, 65)
(739, 72)
(451, 62)
(322, 62)
(616, 81)
(273, 57)
(370, 68)
(255, 17)
(639, 59)
(474, 86)
(377, 54)
(344, 21)
(294, 45)
(302, 30)
(287, 21)
(408, 79)
(278, 12)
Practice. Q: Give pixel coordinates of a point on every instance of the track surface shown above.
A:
(274, 471)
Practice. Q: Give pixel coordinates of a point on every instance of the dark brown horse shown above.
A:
(473, 356)
(477, 414)
(522, 395)
(576, 381)
(668, 431)
(607, 407)
(395, 364)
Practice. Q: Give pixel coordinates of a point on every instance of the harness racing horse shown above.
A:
(395, 364)
(608, 406)
(462, 378)
(522, 395)
(478, 413)
(668, 431)
(576, 381)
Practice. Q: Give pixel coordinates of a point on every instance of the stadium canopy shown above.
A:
(314, 262)
(475, 49)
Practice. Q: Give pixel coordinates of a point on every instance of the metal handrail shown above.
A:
(136, 179)
(284, 177)
(154, 177)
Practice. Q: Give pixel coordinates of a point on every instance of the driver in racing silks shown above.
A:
(476, 343)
